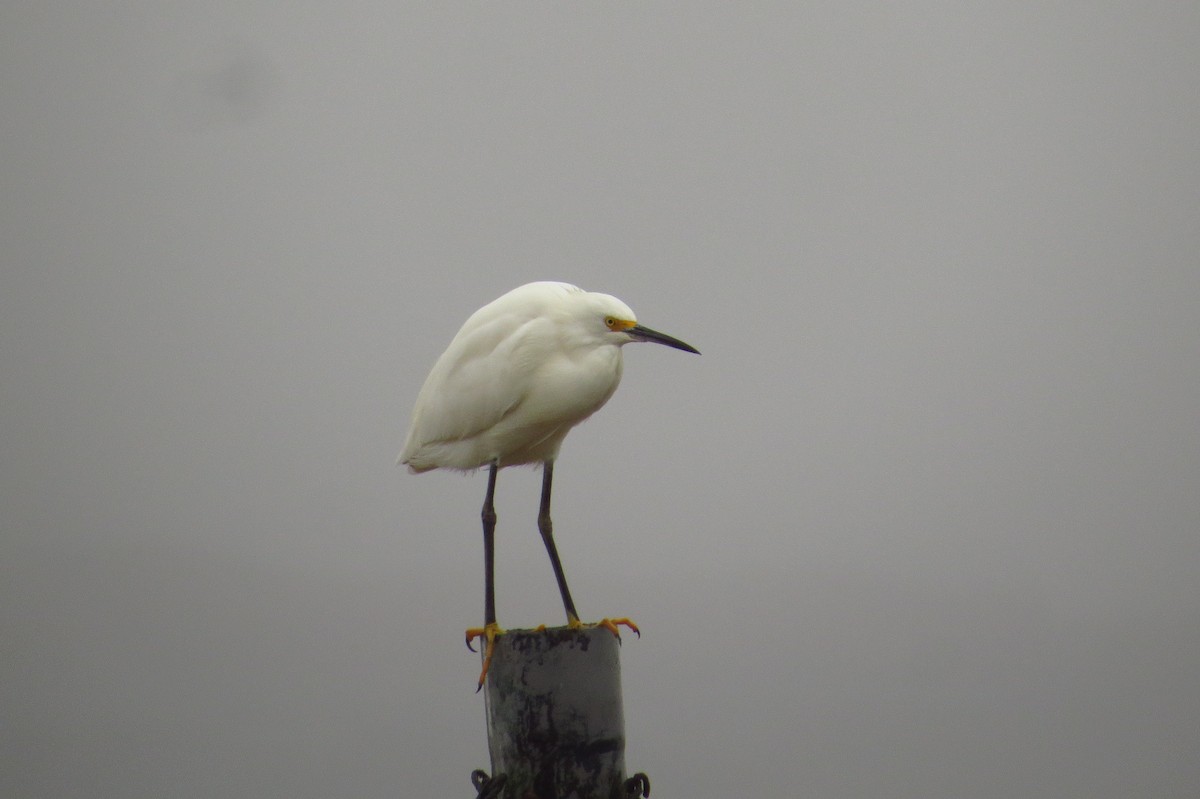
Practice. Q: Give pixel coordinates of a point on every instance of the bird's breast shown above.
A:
(571, 388)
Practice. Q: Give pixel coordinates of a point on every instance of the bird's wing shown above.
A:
(482, 377)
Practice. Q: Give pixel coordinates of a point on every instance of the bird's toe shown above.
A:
(486, 634)
(614, 625)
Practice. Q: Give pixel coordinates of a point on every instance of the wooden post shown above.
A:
(555, 724)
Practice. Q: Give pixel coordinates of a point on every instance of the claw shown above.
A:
(613, 626)
(487, 634)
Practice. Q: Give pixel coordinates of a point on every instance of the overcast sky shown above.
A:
(923, 520)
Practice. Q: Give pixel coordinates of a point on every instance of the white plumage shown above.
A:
(522, 371)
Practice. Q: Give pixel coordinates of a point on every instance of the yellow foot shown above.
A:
(487, 633)
(612, 625)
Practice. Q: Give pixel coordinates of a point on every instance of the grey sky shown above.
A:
(922, 521)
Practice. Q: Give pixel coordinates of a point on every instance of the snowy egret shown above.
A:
(523, 370)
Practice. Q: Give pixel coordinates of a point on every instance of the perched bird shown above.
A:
(523, 370)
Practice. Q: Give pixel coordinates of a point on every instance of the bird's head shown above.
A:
(614, 322)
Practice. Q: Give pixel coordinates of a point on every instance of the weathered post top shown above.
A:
(555, 723)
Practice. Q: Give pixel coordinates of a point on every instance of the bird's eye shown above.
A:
(610, 323)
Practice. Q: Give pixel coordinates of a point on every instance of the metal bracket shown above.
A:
(637, 786)
(487, 787)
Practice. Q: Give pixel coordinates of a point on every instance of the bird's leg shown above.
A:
(490, 628)
(489, 548)
(546, 528)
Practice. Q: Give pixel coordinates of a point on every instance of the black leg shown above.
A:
(546, 528)
(488, 632)
(489, 549)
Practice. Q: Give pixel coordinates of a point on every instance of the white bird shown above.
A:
(523, 370)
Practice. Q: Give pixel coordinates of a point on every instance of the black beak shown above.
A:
(640, 333)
